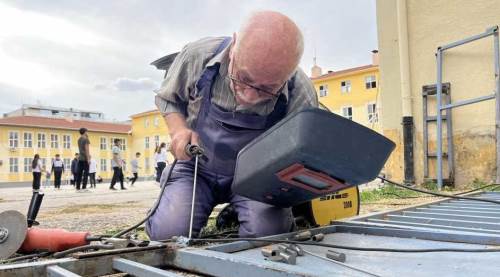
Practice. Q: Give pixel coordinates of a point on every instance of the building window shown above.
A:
(323, 90)
(123, 144)
(146, 164)
(44, 162)
(146, 142)
(13, 139)
(345, 86)
(67, 164)
(13, 165)
(41, 140)
(111, 142)
(27, 164)
(67, 141)
(146, 123)
(54, 141)
(28, 140)
(156, 121)
(347, 112)
(370, 82)
(372, 113)
(103, 144)
(104, 165)
(157, 141)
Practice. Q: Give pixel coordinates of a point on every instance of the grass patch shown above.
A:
(387, 192)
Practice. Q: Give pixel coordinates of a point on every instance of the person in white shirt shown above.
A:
(58, 169)
(37, 168)
(161, 160)
(134, 164)
(92, 172)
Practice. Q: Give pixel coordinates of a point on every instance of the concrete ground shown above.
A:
(97, 211)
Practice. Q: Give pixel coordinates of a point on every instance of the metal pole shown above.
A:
(194, 196)
(439, 150)
(496, 56)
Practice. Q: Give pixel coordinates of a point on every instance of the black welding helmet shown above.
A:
(306, 155)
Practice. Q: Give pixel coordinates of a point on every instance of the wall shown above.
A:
(468, 68)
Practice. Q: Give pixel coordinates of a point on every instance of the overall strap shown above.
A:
(209, 73)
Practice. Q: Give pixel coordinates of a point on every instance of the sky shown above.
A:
(96, 55)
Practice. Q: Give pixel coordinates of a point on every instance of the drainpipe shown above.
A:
(404, 66)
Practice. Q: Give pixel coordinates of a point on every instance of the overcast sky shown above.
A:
(96, 54)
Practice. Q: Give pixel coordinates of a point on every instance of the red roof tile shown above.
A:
(340, 72)
(66, 124)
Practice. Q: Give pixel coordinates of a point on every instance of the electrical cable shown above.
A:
(372, 249)
(152, 211)
(437, 193)
(25, 257)
(480, 188)
(82, 248)
(462, 193)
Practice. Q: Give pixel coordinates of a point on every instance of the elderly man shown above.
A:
(221, 93)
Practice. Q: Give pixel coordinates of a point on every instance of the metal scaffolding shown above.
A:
(493, 31)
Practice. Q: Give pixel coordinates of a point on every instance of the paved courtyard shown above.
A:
(97, 211)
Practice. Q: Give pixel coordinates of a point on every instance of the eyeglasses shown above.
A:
(245, 85)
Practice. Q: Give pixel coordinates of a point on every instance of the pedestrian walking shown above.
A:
(117, 165)
(134, 168)
(74, 169)
(58, 170)
(161, 160)
(83, 160)
(155, 158)
(92, 172)
(37, 169)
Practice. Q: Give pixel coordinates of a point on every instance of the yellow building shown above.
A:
(409, 32)
(21, 137)
(148, 131)
(352, 92)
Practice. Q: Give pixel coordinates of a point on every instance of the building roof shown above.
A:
(65, 124)
(145, 113)
(42, 107)
(345, 71)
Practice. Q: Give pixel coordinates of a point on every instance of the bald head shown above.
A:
(268, 47)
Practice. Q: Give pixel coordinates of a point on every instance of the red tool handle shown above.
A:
(52, 240)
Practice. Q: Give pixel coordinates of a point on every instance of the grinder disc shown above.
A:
(16, 225)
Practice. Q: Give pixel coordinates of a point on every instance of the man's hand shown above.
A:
(180, 139)
(181, 135)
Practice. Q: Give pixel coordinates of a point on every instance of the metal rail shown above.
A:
(493, 31)
(452, 215)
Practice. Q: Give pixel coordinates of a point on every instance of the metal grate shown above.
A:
(457, 215)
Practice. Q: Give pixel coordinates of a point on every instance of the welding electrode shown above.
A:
(193, 151)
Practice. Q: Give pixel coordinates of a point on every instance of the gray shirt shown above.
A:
(178, 91)
(134, 164)
(82, 141)
(116, 153)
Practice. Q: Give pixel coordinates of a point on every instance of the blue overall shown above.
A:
(223, 134)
